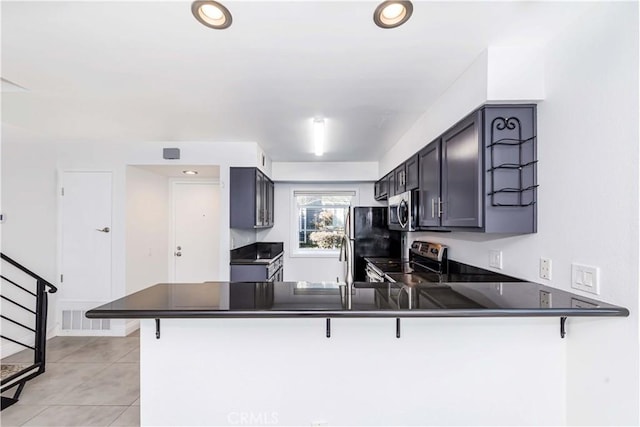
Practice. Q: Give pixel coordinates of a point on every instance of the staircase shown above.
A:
(24, 324)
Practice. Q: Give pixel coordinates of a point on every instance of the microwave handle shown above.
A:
(398, 213)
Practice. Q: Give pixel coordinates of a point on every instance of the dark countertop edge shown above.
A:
(264, 261)
(451, 313)
(253, 261)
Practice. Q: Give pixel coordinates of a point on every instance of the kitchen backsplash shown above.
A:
(241, 237)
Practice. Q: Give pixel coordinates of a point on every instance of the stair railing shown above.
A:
(37, 309)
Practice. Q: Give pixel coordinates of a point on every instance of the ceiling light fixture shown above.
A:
(190, 172)
(212, 14)
(391, 14)
(318, 136)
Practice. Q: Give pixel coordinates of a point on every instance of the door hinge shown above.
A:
(61, 278)
(62, 191)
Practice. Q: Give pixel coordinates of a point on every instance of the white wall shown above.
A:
(468, 92)
(147, 233)
(587, 203)
(29, 196)
(325, 171)
(515, 73)
(313, 269)
(241, 237)
(28, 202)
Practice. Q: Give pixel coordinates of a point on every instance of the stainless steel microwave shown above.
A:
(402, 212)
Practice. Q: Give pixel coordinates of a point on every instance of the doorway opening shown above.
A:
(167, 209)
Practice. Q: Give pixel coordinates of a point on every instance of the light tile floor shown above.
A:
(89, 381)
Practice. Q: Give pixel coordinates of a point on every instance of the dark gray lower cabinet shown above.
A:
(480, 175)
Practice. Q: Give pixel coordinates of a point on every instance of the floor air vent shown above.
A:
(75, 320)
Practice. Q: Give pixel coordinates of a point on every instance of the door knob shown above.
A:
(103, 230)
(178, 253)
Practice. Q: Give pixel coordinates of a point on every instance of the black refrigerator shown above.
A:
(372, 238)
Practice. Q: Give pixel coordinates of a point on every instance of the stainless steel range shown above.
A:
(428, 263)
(425, 280)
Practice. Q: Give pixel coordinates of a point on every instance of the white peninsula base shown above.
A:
(279, 371)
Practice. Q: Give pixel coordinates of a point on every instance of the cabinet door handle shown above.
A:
(433, 208)
(439, 207)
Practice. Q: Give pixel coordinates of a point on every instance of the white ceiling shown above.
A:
(148, 71)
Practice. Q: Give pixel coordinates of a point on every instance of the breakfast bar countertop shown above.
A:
(329, 299)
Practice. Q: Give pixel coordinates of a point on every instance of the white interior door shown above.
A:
(196, 231)
(86, 236)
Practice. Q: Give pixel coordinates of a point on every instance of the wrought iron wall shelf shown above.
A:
(512, 164)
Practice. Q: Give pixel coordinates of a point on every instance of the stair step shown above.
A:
(12, 368)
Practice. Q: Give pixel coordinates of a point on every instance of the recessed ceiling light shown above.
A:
(391, 14)
(212, 14)
(190, 172)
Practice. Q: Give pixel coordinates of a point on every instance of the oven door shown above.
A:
(373, 276)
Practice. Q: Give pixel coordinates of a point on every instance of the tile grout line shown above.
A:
(34, 415)
(114, 363)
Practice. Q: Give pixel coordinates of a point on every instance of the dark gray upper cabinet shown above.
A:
(510, 169)
(391, 182)
(411, 173)
(480, 175)
(400, 178)
(429, 202)
(403, 178)
(251, 194)
(461, 174)
(381, 188)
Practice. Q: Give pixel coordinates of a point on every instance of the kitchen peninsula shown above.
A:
(217, 351)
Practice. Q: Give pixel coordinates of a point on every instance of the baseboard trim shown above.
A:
(131, 326)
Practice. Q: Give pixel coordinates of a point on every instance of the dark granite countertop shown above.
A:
(328, 299)
(256, 253)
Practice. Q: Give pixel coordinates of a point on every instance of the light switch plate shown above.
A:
(495, 259)
(585, 278)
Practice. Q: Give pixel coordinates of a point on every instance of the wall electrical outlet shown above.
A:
(495, 259)
(585, 278)
(545, 299)
(545, 268)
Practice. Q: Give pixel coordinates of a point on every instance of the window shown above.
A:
(320, 219)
